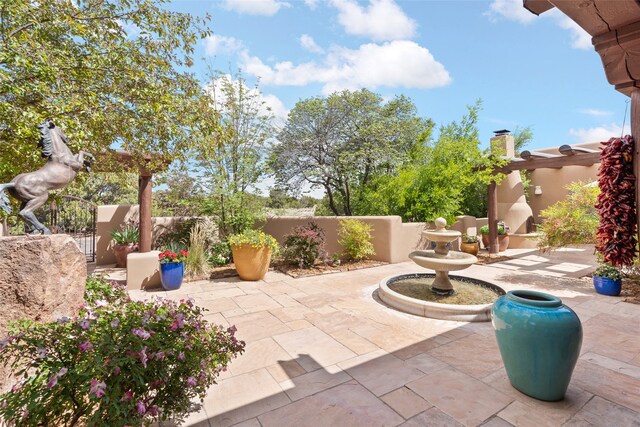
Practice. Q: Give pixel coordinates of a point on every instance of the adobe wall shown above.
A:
(552, 182)
(111, 217)
(392, 240)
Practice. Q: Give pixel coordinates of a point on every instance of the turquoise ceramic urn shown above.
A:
(539, 340)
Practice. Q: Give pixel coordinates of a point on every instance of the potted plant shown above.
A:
(125, 241)
(607, 280)
(252, 252)
(172, 268)
(503, 237)
(470, 244)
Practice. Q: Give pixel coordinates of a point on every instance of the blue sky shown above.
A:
(529, 71)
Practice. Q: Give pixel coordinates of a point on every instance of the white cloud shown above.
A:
(599, 134)
(399, 63)
(381, 20)
(513, 10)
(307, 42)
(255, 7)
(269, 104)
(312, 4)
(215, 44)
(580, 39)
(594, 112)
(278, 109)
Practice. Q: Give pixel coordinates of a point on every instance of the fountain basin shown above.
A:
(458, 312)
(453, 261)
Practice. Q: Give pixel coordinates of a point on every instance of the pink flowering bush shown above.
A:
(304, 245)
(119, 363)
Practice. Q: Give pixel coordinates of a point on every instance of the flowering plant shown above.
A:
(254, 238)
(608, 271)
(168, 256)
(120, 362)
(304, 245)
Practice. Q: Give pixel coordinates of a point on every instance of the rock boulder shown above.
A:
(42, 278)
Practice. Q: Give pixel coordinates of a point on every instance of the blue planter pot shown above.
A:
(607, 286)
(539, 340)
(171, 275)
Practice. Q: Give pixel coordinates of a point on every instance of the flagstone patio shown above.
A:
(324, 351)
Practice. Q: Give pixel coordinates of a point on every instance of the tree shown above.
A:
(231, 158)
(107, 71)
(183, 196)
(522, 137)
(105, 188)
(435, 183)
(340, 143)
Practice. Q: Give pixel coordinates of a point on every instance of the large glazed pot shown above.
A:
(539, 340)
(607, 286)
(252, 263)
(171, 275)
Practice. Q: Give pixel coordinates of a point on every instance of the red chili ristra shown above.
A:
(616, 235)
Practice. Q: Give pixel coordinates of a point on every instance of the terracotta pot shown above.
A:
(470, 248)
(503, 242)
(485, 241)
(121, 252)
(251, 263)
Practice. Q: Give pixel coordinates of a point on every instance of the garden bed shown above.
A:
(321, 268)
(631, 289)
(484, 258)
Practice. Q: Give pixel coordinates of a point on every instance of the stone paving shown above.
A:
(324, 351)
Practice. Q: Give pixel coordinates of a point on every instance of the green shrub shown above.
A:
(484, 230)
(355, 238)
(219, 254)
(304, 245)
(571, 221)
(120, 362)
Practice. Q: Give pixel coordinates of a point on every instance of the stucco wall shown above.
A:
(392, 240)
(109, 218)
(552, 182)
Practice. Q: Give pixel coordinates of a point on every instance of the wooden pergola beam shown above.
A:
(568, 150)
(122, 161)
(578, 159)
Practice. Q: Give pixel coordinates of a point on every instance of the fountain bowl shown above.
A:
(457, 312)
(453, 261)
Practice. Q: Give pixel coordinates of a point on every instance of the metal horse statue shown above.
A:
(32, 188)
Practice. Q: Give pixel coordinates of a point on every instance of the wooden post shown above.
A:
(635, 133)
(144, 201)
(493, 218)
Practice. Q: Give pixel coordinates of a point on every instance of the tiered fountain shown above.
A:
(434, 295)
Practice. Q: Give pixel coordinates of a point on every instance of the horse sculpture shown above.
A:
(32, 188)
